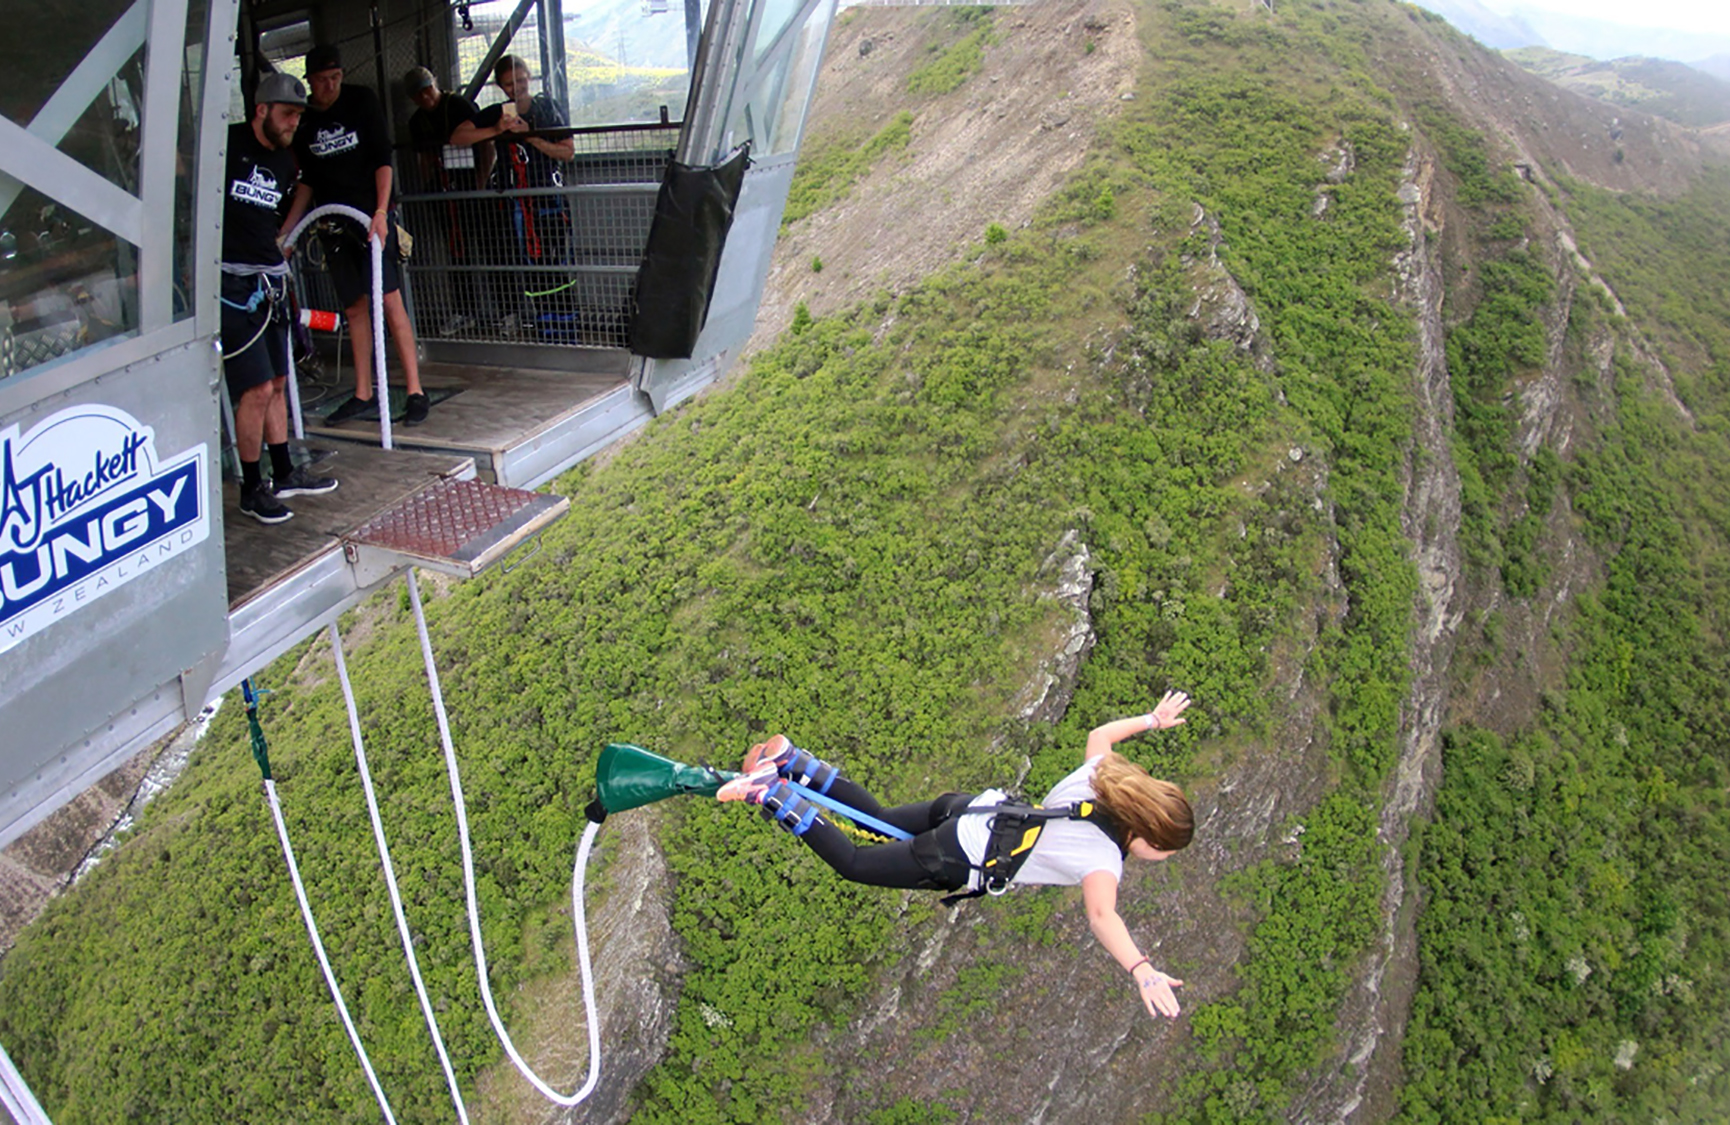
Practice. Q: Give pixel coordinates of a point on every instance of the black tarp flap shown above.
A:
(677, 276)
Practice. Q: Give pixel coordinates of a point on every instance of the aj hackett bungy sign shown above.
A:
(85, 507)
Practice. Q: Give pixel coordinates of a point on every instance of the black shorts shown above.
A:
(938, 852)
(348, 258)
(265, 326)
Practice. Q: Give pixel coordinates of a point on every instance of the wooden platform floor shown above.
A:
(371, 481)
(497, 409)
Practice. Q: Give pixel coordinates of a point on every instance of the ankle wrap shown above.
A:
(810, 771)
(783, 805)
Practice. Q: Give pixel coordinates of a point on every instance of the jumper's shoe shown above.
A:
(417, 408)
(750, 786)
(774, 796)
(303, 482)
(778, 751)
(792, 763)
(353, 408)
(261, 504)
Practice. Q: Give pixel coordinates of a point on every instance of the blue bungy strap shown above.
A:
(811, 771)
(783, 805)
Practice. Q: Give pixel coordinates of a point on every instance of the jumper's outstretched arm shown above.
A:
(1099, 893)
(1169, 713)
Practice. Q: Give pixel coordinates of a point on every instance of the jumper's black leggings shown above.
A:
(932, 860)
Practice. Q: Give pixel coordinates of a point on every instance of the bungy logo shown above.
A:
(261, 188)
(86, 507)
(330, 142)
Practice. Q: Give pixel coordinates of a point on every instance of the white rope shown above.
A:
(318, 948)
(577, 916)
(294, 389)
(380, 388)
(390, 875)
(16, 1097)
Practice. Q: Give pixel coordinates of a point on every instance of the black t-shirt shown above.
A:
(341, 148)
(259, 182)
(430, 130)
(520, 164)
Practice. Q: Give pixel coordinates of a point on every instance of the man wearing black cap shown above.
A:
(344, 150)
(255, 313)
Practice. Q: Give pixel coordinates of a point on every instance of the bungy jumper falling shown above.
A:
(626, 777)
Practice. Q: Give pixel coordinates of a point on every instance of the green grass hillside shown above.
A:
(851, 542)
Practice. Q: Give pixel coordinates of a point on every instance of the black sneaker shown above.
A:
(303, 482)
(353, 408)
(261, 504)
(417, 408)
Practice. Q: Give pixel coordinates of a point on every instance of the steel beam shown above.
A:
(159, 152)
(88, 79)
(497, 50)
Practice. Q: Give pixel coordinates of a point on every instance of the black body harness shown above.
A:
(1015, 827)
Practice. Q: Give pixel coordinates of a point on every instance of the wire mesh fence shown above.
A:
(553, 265)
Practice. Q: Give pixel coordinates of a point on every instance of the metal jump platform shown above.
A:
(127, 574)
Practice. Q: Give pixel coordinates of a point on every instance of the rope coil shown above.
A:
(381, 389)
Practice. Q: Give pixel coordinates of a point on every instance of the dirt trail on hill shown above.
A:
(990, 152)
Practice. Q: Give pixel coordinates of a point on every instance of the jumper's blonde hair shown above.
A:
(1143, 806)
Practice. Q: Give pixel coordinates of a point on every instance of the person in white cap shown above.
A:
(454, 156)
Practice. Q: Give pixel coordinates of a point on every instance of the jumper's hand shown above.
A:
(380, 228)
(1170, 710)
(1156, 991)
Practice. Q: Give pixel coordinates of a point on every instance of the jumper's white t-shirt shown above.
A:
(1066, 852)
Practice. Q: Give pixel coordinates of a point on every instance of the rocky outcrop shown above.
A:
(1219, 304)
(1363, 1083)
(1046, 696)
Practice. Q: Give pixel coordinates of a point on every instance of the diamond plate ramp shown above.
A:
(457, 527)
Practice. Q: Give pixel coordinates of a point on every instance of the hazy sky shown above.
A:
(1707, 16)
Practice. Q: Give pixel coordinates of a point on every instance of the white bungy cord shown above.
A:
(318, 948)
(578, 920)
(381, 394)
(390, 876)
(380, 388)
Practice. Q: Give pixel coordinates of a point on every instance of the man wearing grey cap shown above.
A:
(452, 157)
(260, 176)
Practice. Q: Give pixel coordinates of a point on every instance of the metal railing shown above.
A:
(553, 266)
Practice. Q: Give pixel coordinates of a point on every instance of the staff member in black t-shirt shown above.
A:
(255, 312)
(344, 151)
(440, 128)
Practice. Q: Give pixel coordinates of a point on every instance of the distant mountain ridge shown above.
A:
(1718, 66)
(1526, 26)
(1495, 31)
(1681, 93)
